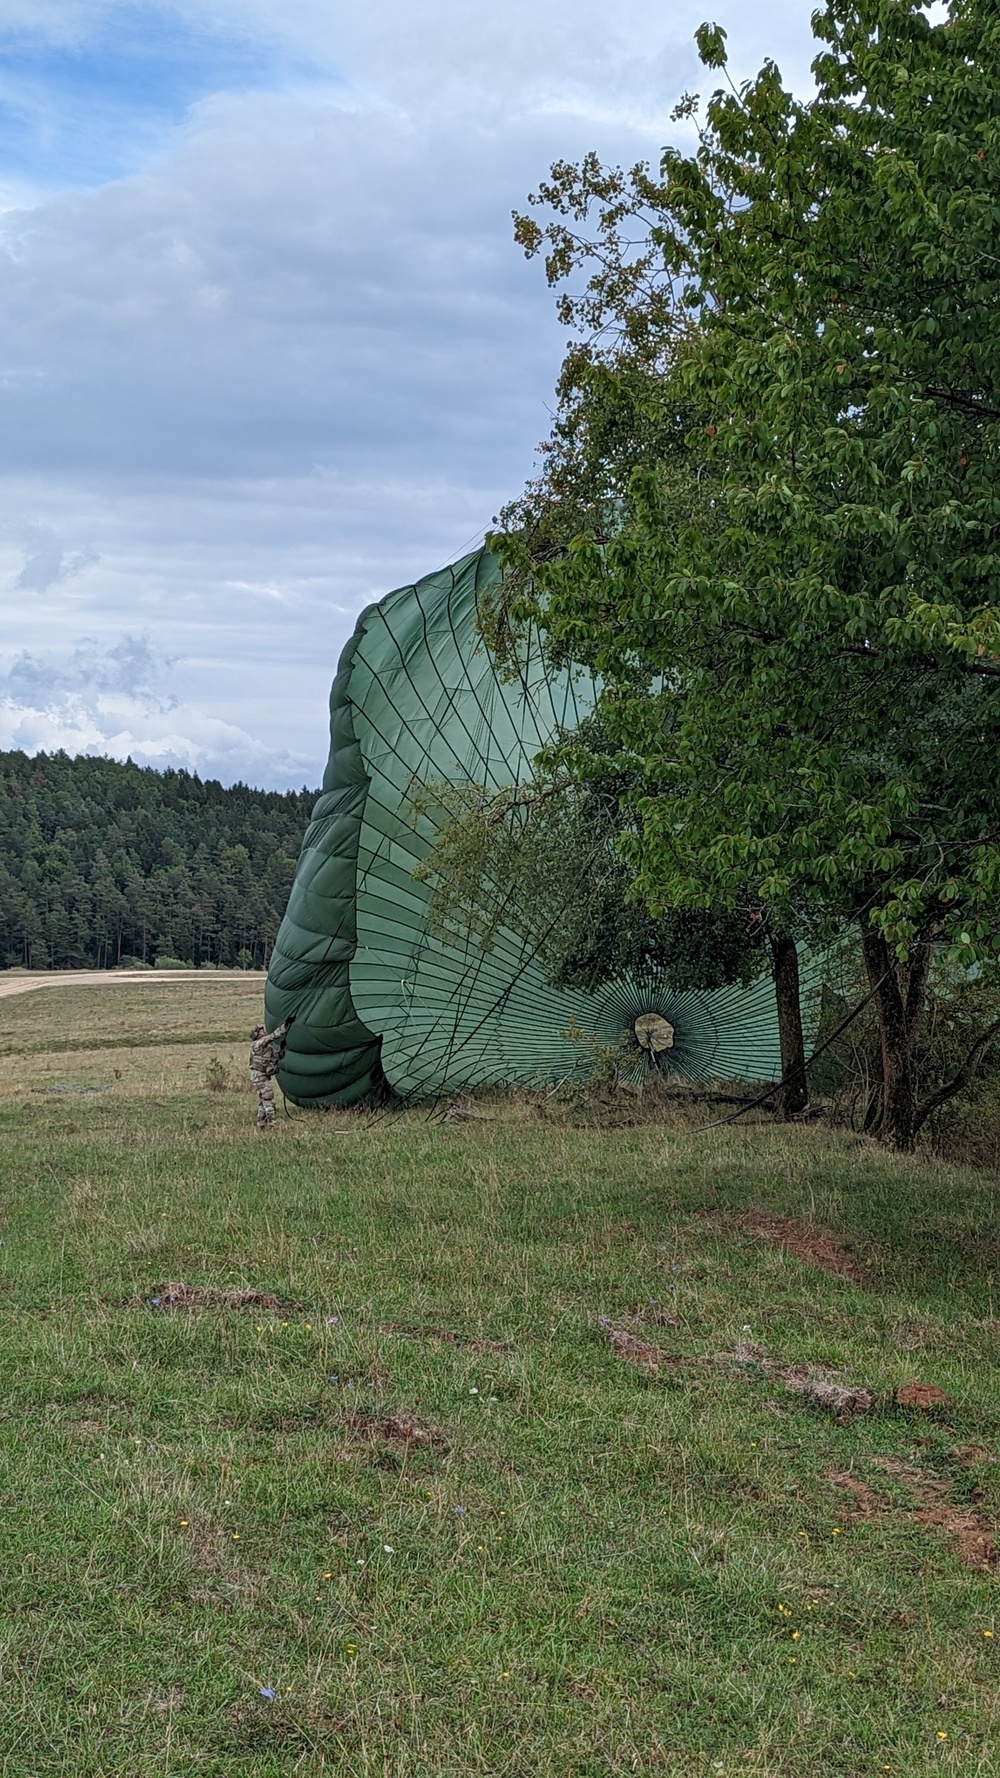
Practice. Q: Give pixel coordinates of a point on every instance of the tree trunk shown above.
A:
(899, 987)
(794, 1095)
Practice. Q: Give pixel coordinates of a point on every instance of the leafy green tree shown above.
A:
(622, 414)
(823, 278)
(543, 860)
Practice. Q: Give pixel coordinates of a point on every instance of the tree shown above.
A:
(104, 860)
(542, 860)
(823, 280)
(621, 413)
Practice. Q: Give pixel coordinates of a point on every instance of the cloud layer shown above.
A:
(276, 352)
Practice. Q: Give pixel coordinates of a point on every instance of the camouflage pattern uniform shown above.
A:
(266, 1051)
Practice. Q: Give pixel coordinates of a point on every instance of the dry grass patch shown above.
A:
(845, 1401)
(395, 1427)
(641, 1313)
(443, 1336)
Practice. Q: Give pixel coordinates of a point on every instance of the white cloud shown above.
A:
(47, 564)
(187, 739)
(297, 359)
(130, 665)
(116, 700)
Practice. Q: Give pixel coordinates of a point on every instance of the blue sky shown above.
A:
(267, 348)
(97, 104)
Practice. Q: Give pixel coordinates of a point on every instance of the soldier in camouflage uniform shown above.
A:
(266, 1051)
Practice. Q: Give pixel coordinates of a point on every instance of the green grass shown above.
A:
(594, 1571)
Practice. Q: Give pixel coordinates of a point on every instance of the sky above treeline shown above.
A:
(267, 348)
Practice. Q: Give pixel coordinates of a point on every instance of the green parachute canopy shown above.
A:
(386, 1006)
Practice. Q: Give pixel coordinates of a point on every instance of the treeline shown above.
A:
(103, 864)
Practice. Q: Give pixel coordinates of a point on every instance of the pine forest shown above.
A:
(107, 864)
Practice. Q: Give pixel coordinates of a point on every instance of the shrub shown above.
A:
(962, 1008)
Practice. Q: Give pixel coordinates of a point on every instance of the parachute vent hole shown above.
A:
(653, 1033)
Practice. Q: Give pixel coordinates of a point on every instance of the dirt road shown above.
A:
(12, 982)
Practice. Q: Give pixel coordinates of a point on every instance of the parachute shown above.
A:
(388, 1006)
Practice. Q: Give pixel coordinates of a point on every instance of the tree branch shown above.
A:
(966, 404)
(966, 1073)
(771, 1093)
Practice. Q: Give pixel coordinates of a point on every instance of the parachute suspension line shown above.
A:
(504, 996)
(474, 967)
(469, 985)
(417, 693)
(473, 686)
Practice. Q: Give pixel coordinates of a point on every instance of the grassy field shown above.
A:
(508, 1470)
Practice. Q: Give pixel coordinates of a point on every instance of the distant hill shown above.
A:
(102, 863)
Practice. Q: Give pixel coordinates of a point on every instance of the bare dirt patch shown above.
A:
(628, 1346)
(15, 983)
(867, 1504)
(801, 1239)
(396, 1427)
(966, 1528)
(923, 1398)
(970, 1456)
(205, 1296)
(923, 1484)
